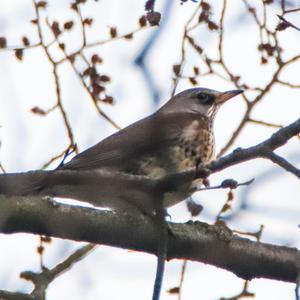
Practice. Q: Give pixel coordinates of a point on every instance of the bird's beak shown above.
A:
(223, 97)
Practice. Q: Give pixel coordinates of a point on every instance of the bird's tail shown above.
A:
(22, 184)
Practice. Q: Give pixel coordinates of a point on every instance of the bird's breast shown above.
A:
(195, 145)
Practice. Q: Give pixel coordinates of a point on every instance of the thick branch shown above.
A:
(212, 244)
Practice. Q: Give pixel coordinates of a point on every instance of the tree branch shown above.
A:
(212, 244)
(280, 161)
(41, 280)
(263, 150)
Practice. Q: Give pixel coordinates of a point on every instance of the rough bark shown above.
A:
(212, 244)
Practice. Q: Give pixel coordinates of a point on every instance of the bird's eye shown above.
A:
(205, 98)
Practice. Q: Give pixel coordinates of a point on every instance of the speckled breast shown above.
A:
(196, 145)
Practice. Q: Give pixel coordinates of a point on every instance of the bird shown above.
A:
(177, 137)
(141, 168)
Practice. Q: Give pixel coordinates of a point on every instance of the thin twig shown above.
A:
(182, 275)
(224, 186)
(283, 163)
(42, 280)
(263, 150)
(55, 74)
(287, 23)
(264, 123)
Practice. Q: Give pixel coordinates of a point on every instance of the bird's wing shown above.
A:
(142, 137)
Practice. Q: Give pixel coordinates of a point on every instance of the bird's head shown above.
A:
(199, 100)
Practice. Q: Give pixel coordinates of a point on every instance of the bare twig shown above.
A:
(229, 183)
(283, 163)
(116, 38)
(243, 294)
(180, 66)
(291, 10)
(257, 234)
(2, 168)
(264, 123)
(263, 150)
(54, 158)
(55, 74)
(42, 280)
(287, 23)
(93, 97)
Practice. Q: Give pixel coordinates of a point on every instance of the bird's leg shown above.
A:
(162, 246)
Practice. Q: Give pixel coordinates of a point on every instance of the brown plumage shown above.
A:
(174, 139)
(149, 143)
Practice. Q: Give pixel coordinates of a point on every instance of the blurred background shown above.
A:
(143, 65)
